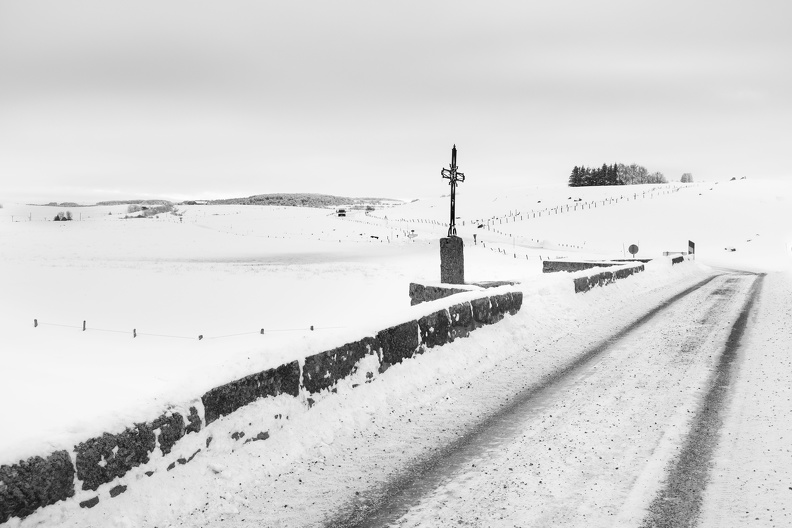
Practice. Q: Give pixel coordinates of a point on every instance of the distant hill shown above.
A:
(303, 200)
(282, 199)
(110, 202)
(61, 204)
(136, 202)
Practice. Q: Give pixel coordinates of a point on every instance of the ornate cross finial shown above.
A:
(454, 177)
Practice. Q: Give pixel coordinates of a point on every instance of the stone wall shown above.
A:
(584, 284)
(37, 482)
(431, 292)
(425, 292)
(553, 266)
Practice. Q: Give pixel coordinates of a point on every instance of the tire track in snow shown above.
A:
(679, 503)
(385, 505)
(750, 482)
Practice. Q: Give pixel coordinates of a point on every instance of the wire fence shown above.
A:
(200, 337)
(515, 215)
(491, 225)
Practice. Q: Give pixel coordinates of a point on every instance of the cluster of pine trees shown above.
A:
(584, 176)
(616, 174)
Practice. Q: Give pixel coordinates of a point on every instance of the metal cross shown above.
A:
(454, 177)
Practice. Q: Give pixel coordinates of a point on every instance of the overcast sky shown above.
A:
(103, 99)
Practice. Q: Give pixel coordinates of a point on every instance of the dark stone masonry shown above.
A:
(117, 490)
(398, 343)
(422, 293)
(34, 483)
(435, 329)
(227, 398)
(584, 284)
(102, 459)
(481, 311)
(325, 369)
(171, 430)
(90, 503)
(461, 320)
(552, 266)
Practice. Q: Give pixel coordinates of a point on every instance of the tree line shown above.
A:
(585, 176)
(617, 174)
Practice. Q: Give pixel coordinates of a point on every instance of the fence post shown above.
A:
(83, 326)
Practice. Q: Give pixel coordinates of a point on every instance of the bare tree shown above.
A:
(635, 174)
(632, 174)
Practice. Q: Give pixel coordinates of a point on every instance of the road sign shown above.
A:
(633, 249)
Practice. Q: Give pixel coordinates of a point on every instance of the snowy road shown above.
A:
(588, 441)
(751, 475)
(586, 447)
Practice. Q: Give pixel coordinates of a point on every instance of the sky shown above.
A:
(103, 99)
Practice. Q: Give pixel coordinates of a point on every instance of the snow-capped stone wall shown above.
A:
(584, 284)
(42, 481)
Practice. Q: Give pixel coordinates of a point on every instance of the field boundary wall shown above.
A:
(420, 293)
(584, 284)
(554, 266)
(102, 461)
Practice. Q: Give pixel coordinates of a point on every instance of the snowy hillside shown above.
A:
(226, 272)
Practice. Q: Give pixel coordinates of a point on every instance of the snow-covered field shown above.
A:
(226, 272)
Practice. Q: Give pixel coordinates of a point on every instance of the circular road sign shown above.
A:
(633, 249)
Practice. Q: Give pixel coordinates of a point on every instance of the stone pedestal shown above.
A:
(452, 260)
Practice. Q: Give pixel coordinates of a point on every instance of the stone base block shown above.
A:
(452, 260)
